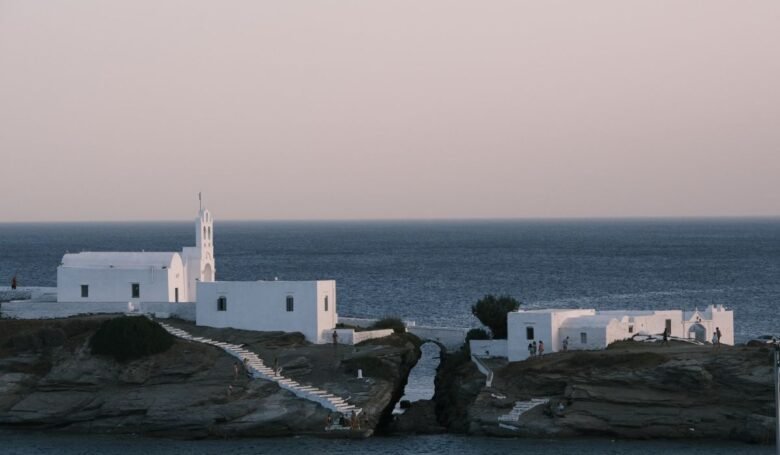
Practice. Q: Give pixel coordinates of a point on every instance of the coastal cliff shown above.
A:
(632, 390)
(49, 378)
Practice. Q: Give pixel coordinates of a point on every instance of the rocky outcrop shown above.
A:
(632, 390)
(50, 379)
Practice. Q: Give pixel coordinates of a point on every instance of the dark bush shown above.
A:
(492, 311)
(390, 323)
(477, 334)
(130, 337)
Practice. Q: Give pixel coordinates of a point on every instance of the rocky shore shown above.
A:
(50, 379)
(632, 390)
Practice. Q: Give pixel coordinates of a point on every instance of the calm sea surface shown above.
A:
(432, 272)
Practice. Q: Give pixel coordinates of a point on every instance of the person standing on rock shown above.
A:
(565, 344)
(717, 332)
(530, 350)
(666, 337)
(235, 371)
(533, 350)
(13, 283)
(541, 348)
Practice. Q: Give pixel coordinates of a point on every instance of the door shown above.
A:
(699, 333)
(176, 295)
(669, 327)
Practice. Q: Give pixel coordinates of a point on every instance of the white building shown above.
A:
(591, 329)
(308, 307)
(137, 277)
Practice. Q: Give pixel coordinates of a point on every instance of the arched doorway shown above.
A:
(698, 332)
(208, 273)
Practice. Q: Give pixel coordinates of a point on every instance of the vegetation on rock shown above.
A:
(130, 337)
(391, 322)
(492, 312)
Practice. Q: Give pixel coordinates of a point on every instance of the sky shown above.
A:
(388, 109)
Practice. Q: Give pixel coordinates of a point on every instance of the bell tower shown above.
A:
(204, 238)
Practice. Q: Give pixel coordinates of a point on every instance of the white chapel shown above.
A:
(139, 277)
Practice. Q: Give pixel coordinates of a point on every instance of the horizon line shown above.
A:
(429, 219)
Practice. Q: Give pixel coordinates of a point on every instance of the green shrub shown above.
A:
(477, 334)
(492, 311)
(130, 337)
(390, 323)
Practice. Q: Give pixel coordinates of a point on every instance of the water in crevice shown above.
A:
(420, 383)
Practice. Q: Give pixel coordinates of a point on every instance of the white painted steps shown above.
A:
(521, 407)
(259, 370)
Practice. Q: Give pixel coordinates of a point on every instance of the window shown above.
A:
(135, 290)
(290, 303)
(529, 333)
(209, 236)
(176, 295)
(631, 329)
(583, 338)
(84, 291)
(222, 304)
(326, 303)
(669, 327)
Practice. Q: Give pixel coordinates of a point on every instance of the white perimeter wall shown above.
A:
(488, 348)
(262, 306)
(114, 285)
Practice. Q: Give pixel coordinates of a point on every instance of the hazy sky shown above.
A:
(124, 110)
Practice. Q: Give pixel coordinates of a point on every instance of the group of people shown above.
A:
(535, 350)
(716, 337)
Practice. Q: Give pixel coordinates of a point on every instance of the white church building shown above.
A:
(183, 284)
(592, 329)
(308, 307)
(139, 277)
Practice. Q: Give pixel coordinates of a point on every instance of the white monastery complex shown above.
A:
(183, 284)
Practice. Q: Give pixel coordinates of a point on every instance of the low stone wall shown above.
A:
(39, 293)
(351, 337)
(49, 310)
(488, 348)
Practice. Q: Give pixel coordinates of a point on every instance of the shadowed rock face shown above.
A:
(630, 391)
(50, 379)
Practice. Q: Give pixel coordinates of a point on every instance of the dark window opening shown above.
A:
(529, 333)
(135, 290)
(326, 303)
(290, 303)
(222, 304)
(669, 327)
(84, 290)
(176, 295)
(631, 329)
(583, 338)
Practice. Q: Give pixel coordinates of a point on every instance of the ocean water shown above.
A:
(432, 272)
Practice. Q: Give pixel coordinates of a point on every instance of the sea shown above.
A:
(431, 272)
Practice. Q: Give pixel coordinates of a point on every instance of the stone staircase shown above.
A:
(259, 370)
(521, 407)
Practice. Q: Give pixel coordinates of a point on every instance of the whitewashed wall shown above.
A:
(488, 348)
(114, 285)
(262, 306)
(351, 337)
